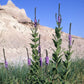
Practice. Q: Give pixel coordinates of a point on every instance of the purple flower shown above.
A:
(40, 61)
(29, 62)
(6, 64)
(35, 23)
(70, 39)
(59, 19)
(39, 48)
(47, 60)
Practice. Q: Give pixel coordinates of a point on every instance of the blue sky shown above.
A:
(71, 11)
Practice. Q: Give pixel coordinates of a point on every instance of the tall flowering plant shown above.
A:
(67, 63)
(70, 38)
(35, 40)
(35, 72)
(47, 58)
(46, 61)
(46, 66)
(6, 63)
(56, 56)
(29, 60)
(39, 52)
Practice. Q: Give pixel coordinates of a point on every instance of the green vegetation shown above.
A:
(18, 75)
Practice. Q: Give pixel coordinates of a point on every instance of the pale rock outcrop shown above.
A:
(16, 13)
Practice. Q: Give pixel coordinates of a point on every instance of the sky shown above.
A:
(71, 11)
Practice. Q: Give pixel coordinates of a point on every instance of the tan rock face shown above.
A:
(15, 12)
(15, 36)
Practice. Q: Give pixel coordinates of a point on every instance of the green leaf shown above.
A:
(58, 35)
(35, 35)
(60, 41)
(55, 58)
(59, 61)
(67, 72)
(35, 39)
(65, 64)
(55, 43)
(34, 46)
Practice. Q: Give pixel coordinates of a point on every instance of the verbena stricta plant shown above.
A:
(39, 52)
(67, 63)
(29, 60)
(35, 77)
(35, 40)
(56, 56)
(47, 71)
(46, 62)
(6, 63)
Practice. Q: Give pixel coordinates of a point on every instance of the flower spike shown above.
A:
(29, 60)
(6, 64)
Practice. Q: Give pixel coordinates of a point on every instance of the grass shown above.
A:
(19, 75)
(77, 69)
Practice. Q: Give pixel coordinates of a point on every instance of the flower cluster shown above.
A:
(47, 60)
(35, 23)
(6, 64)
(29, 61)
(41, 61)
(59, 19)
(39, 49)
